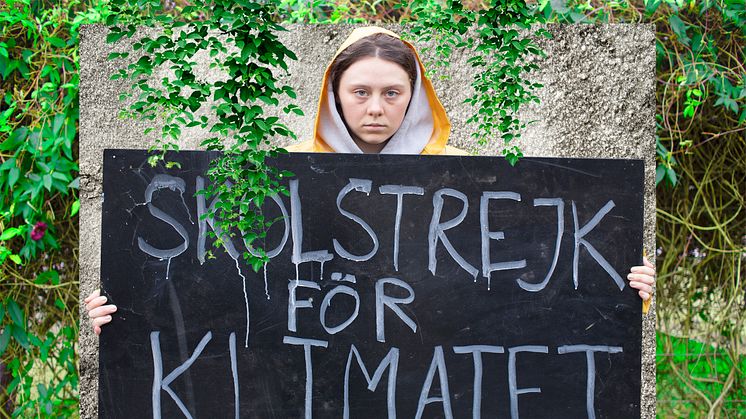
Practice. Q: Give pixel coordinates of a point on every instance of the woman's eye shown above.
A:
(392, 93)
(360, 93)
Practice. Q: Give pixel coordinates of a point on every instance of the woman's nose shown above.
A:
(374, 106)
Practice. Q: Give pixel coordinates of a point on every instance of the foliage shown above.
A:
(702, 237)
(45, 378)
(362, 11)
(700, 55)
(701, 178)
(250, 55)
(500, 60)
(241, 176)
(315, 12)
(37, 124)
(39, 205)
(712, 370)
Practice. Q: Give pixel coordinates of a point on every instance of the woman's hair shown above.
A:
(379, 45)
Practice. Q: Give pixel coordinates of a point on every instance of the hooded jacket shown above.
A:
(424, 130)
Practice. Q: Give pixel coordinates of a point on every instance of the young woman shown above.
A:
(375, 98)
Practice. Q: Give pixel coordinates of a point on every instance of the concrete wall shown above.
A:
(598, 101)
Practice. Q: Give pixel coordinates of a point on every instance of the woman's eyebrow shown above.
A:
(367, 86)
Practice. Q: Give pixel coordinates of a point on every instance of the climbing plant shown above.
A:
(250, 55)
(502, 35)
(39, 204)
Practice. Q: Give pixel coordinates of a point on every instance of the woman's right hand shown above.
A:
(98, 313)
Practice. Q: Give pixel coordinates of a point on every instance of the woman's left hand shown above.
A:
(642, 279)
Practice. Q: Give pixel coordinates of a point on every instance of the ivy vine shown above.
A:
(500, 36)
(241, 39)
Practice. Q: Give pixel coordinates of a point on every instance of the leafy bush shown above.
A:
(38, 205)
(240, 176)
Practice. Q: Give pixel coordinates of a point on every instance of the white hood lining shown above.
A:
(411, 137)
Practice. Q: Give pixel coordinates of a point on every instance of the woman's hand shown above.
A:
(98, 313)
(642, 279)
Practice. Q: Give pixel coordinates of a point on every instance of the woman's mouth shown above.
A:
(374, 127)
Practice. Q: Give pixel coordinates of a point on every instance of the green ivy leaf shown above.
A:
(679, 28)
(19, 334)
(13, 176)
(15, 139)
(47, 181)
(154, 159)
(74, 208)
(671, 176)
(50, 276)
(5, 338)
(15, 313)
(116, 55)
(651, 6)
(10, 233)
(56, 42)
(113, 37)
(660, 173)
(59, 119)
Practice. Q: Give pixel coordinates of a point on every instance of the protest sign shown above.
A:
(398, 286)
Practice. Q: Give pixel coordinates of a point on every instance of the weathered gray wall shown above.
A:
(598, 100)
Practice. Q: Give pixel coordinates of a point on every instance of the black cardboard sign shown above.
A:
(399, 286)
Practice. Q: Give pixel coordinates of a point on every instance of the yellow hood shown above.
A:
(425, 128)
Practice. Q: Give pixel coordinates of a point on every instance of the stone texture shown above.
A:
(598, 101)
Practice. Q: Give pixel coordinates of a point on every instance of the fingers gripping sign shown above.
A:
(98, 313)
(642, 278)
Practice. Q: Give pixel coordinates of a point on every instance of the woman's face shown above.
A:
(374, 95)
